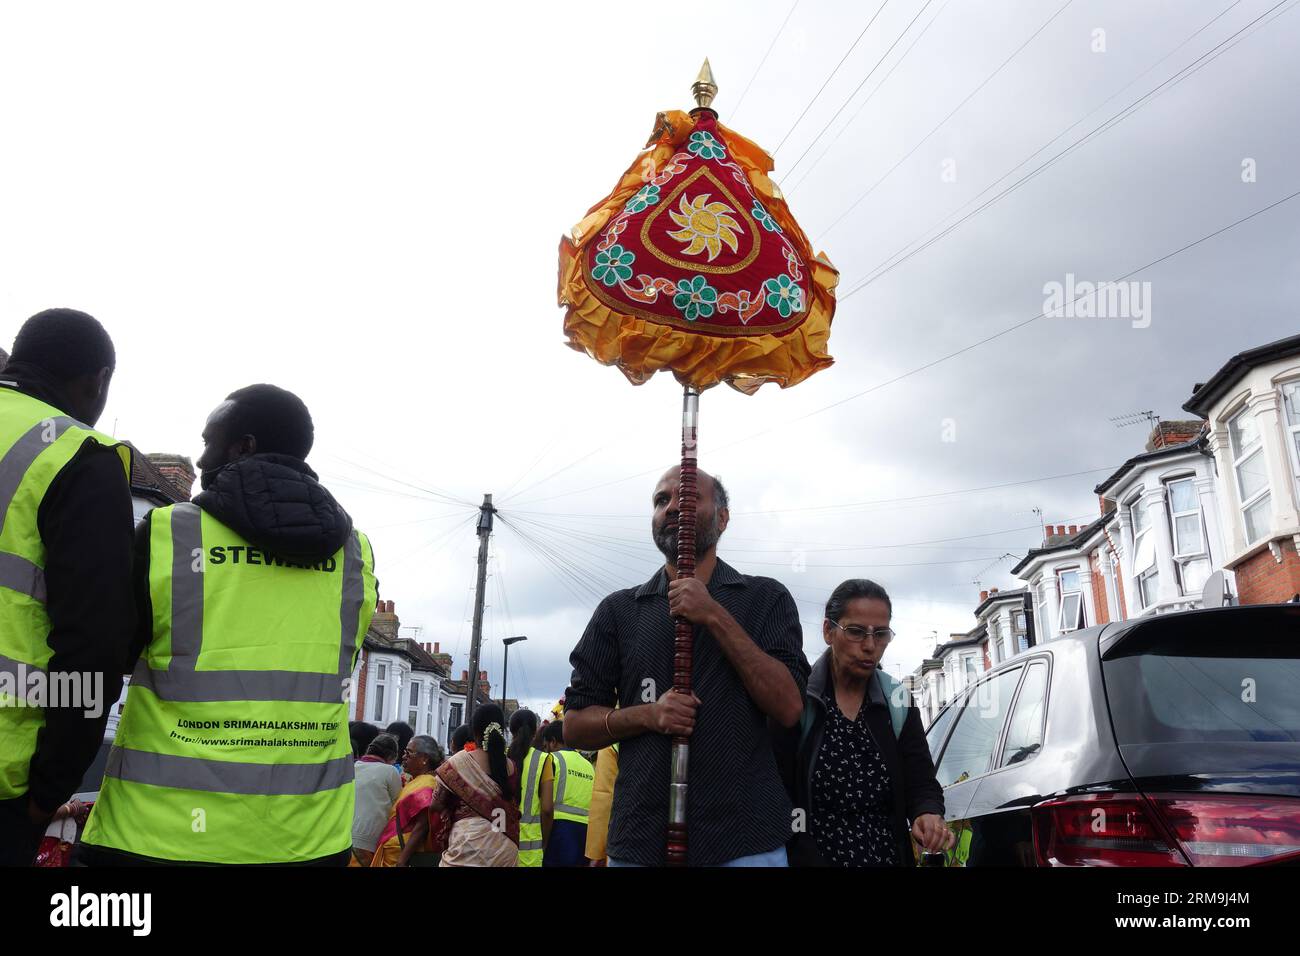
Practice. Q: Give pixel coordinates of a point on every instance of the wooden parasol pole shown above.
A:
(683, 644)
(704, 89)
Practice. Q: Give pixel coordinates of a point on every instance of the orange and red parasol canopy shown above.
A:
(695, 264)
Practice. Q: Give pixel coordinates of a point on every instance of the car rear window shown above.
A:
(1221, 676)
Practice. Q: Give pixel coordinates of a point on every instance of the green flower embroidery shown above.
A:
(613, 265)
(646, 196)
(765, 218)
(695, 298)
(783, 295)
(703, 145)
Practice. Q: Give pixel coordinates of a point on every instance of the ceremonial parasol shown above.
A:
(693, 264)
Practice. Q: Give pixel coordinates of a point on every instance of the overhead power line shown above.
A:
(1203, 60)
(758, 69)
(856, 89)
(863, 105)
(830, 77)
(924, 139)
(1011, 328)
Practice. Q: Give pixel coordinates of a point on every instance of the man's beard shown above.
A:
(706, 536)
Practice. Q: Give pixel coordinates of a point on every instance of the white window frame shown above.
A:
(1149, 575)
(1112, 587)
(381, 688)
(1185, 559)
(1291, 427)
(413, 705)
(1040, 593)
(1257, 448)
(1080, 614)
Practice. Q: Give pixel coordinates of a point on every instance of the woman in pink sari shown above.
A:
(421, 831)
(478, 789)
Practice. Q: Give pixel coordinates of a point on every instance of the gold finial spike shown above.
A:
(704, 89)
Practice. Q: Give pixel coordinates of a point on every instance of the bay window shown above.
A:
(1291, 399)
(1253, 496)
(1187, 534)
(381, 682)
(1072, 616)
(1144, 553)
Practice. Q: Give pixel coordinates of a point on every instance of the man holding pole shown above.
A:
(749, 666)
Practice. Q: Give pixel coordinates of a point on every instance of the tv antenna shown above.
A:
(1136, 418)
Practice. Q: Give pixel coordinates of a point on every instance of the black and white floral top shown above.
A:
(852, 795)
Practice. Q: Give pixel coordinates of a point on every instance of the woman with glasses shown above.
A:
(857, 764)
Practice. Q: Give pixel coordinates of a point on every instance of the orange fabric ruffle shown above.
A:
(640, 347)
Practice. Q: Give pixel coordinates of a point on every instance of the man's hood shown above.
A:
(277, 503)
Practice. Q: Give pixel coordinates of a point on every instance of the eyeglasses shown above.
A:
(882, 635)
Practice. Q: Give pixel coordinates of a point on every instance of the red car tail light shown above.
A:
(1166, 829)
(1101, 829)
(1231, 829)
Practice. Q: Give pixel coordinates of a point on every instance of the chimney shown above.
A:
(385, 621)
(1060, 529)
(984, 596)
(435, 647)
(1173, 433)
(1074, 529)
(482, 675)
(464, 675)
(993, 591)
(177, 469)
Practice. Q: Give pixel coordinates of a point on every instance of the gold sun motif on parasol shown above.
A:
(705, 225)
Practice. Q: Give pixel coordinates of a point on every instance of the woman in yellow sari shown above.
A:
(420, 830)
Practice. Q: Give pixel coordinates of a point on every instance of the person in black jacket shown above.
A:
(256, 482)
(65, 358)
(854, 783)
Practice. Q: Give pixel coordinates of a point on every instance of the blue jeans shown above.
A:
(771, 858)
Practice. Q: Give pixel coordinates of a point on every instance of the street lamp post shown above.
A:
(505, 667)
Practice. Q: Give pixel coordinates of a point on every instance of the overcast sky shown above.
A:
(362, 203)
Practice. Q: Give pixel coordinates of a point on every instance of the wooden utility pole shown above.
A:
(486, 511)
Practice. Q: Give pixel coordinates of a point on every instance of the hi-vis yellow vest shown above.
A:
(36, 442)
(233, 745)
(574, 779)
(530, 808)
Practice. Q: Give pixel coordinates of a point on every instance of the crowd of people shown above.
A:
(488, 803)
(239, 617)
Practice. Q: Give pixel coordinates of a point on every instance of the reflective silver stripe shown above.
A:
(181, 682)
(17, 669)
(19, 574)
(561, 778)
(188, 686)
(20, 456)
(187, 587)
(530, 845)
(350, 610)
(224, 776)
(526, 814)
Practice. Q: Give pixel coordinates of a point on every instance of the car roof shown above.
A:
(1248, 614)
